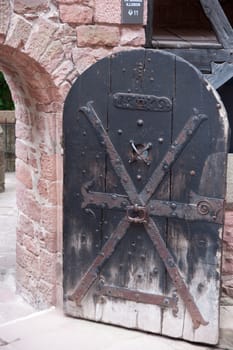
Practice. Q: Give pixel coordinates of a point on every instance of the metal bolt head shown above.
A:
(140, 122)
(119, 131)
(139, 177)
(192, 172)
(173, 206)
(160, 140)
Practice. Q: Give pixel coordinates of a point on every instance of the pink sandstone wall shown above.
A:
(44, 46)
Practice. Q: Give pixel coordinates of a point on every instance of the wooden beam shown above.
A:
(221, 73)
(219, 20)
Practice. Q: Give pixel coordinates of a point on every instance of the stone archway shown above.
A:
(39, 174)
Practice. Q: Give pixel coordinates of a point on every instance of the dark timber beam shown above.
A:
(221, 25)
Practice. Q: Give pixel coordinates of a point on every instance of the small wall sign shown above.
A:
(132, 11)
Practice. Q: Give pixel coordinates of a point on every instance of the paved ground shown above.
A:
(21, 328)
(11, 305)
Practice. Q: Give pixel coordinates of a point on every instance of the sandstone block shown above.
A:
(61, 72)
(27, 260)
(107, 11)
(48, 241)
(76, 14)
(27, 203)
(5, 16)
(48, 293)
(83, 57)
(49, 218)
(48, 267)
(133, 36)
(25, 225)
(24, 173)
(32, 245)
(18, 33)
(41, 36)
(30, 6)
(26, 153)
(53, 55)
(91, 35)
(23, 131)
(48, 166)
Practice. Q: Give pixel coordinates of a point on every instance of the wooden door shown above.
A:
(145, 144)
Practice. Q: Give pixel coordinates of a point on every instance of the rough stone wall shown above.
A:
(45, 45)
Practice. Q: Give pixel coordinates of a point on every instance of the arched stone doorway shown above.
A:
(39, 175)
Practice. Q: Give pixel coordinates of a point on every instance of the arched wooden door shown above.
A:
(145, 144)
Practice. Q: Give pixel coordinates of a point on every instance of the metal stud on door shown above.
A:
(144, 193)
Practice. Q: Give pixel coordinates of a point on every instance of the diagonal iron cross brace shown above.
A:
(139, 200)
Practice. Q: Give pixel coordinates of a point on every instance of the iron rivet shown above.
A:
(189, 132)
(119, 132)
(218, 105)
(84, 133)
(140, 122)
(166, 301)
(214, 217)
(124, 203)
(114, 196)
(123, 70)
(129, 253)
(139, 177)
(97, 156)
(152, 207)
(102, 143)
(165, 166)
(160, 140)
(105, 237)
(133, 244)
(173, 206)
(192, 172)
(174, 214)
(84, 171)
(129, 90)
(148, 59)
(82, 153)
(170, 262)
(143, 257)
(151, 79)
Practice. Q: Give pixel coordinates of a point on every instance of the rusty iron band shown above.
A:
(182, 140)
